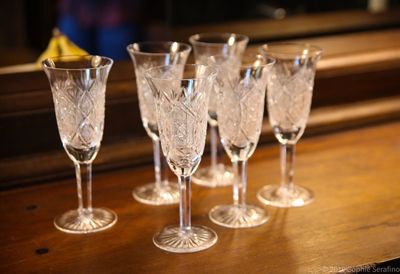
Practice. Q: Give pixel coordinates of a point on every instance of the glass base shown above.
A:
(73, 222)
(213, 177)
(238, 216)
(149, 194)
(174, 239)
(278, 196)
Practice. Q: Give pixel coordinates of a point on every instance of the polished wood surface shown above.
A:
(354, 219)
(265, 30)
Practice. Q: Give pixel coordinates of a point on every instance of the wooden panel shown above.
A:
(30, 77)
(353, 220)
(352, 70)
(137, 150)
(298, 25)
(121, 121)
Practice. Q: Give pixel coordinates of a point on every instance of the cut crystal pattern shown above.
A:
(78, 85)
(146, 55)
(240, 112)
(289, 96)
(289, 93)
(79, 107)
(182, 121)
(146, 101)
(175, 239)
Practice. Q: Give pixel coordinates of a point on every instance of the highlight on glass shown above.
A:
(289, 93)
(205, 45)
(145, 55)
(78, 85)
(241, 97)
(181, 94)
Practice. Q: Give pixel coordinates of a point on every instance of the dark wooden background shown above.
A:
(360, 67)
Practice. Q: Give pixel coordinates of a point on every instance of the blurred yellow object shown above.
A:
(60, 45)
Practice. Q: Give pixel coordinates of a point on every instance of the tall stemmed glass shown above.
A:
(78, 84)
(240, 113)
(205, 45)
(289, 93)
(181, 104)
(144, 56)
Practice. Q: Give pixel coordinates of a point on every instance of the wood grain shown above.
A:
(19, 171)
(352, 70)
(353, 221)
(262, 30)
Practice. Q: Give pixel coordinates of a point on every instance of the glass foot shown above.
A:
(174, 239)
(278, 196)
(73, 222)
(213, 177)
(238, 216)
(149, 194)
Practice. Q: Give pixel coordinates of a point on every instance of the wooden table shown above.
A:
(354, 220)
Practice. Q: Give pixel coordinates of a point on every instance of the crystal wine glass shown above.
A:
(289, 93)
(241, 96)
(144, 56)
(181, 104)
(205, 45)
(78, 85)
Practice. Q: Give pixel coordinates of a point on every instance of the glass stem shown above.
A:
(214, 147)
(164, 170)
(239, 183)
(84, 170)
(184, 202)
(287, 165)
(158, 165)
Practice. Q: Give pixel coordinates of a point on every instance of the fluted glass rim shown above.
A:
(193, 39)
(269, 61)
(213, 72)
(57, 58)
(313, 50)
(130, 48)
